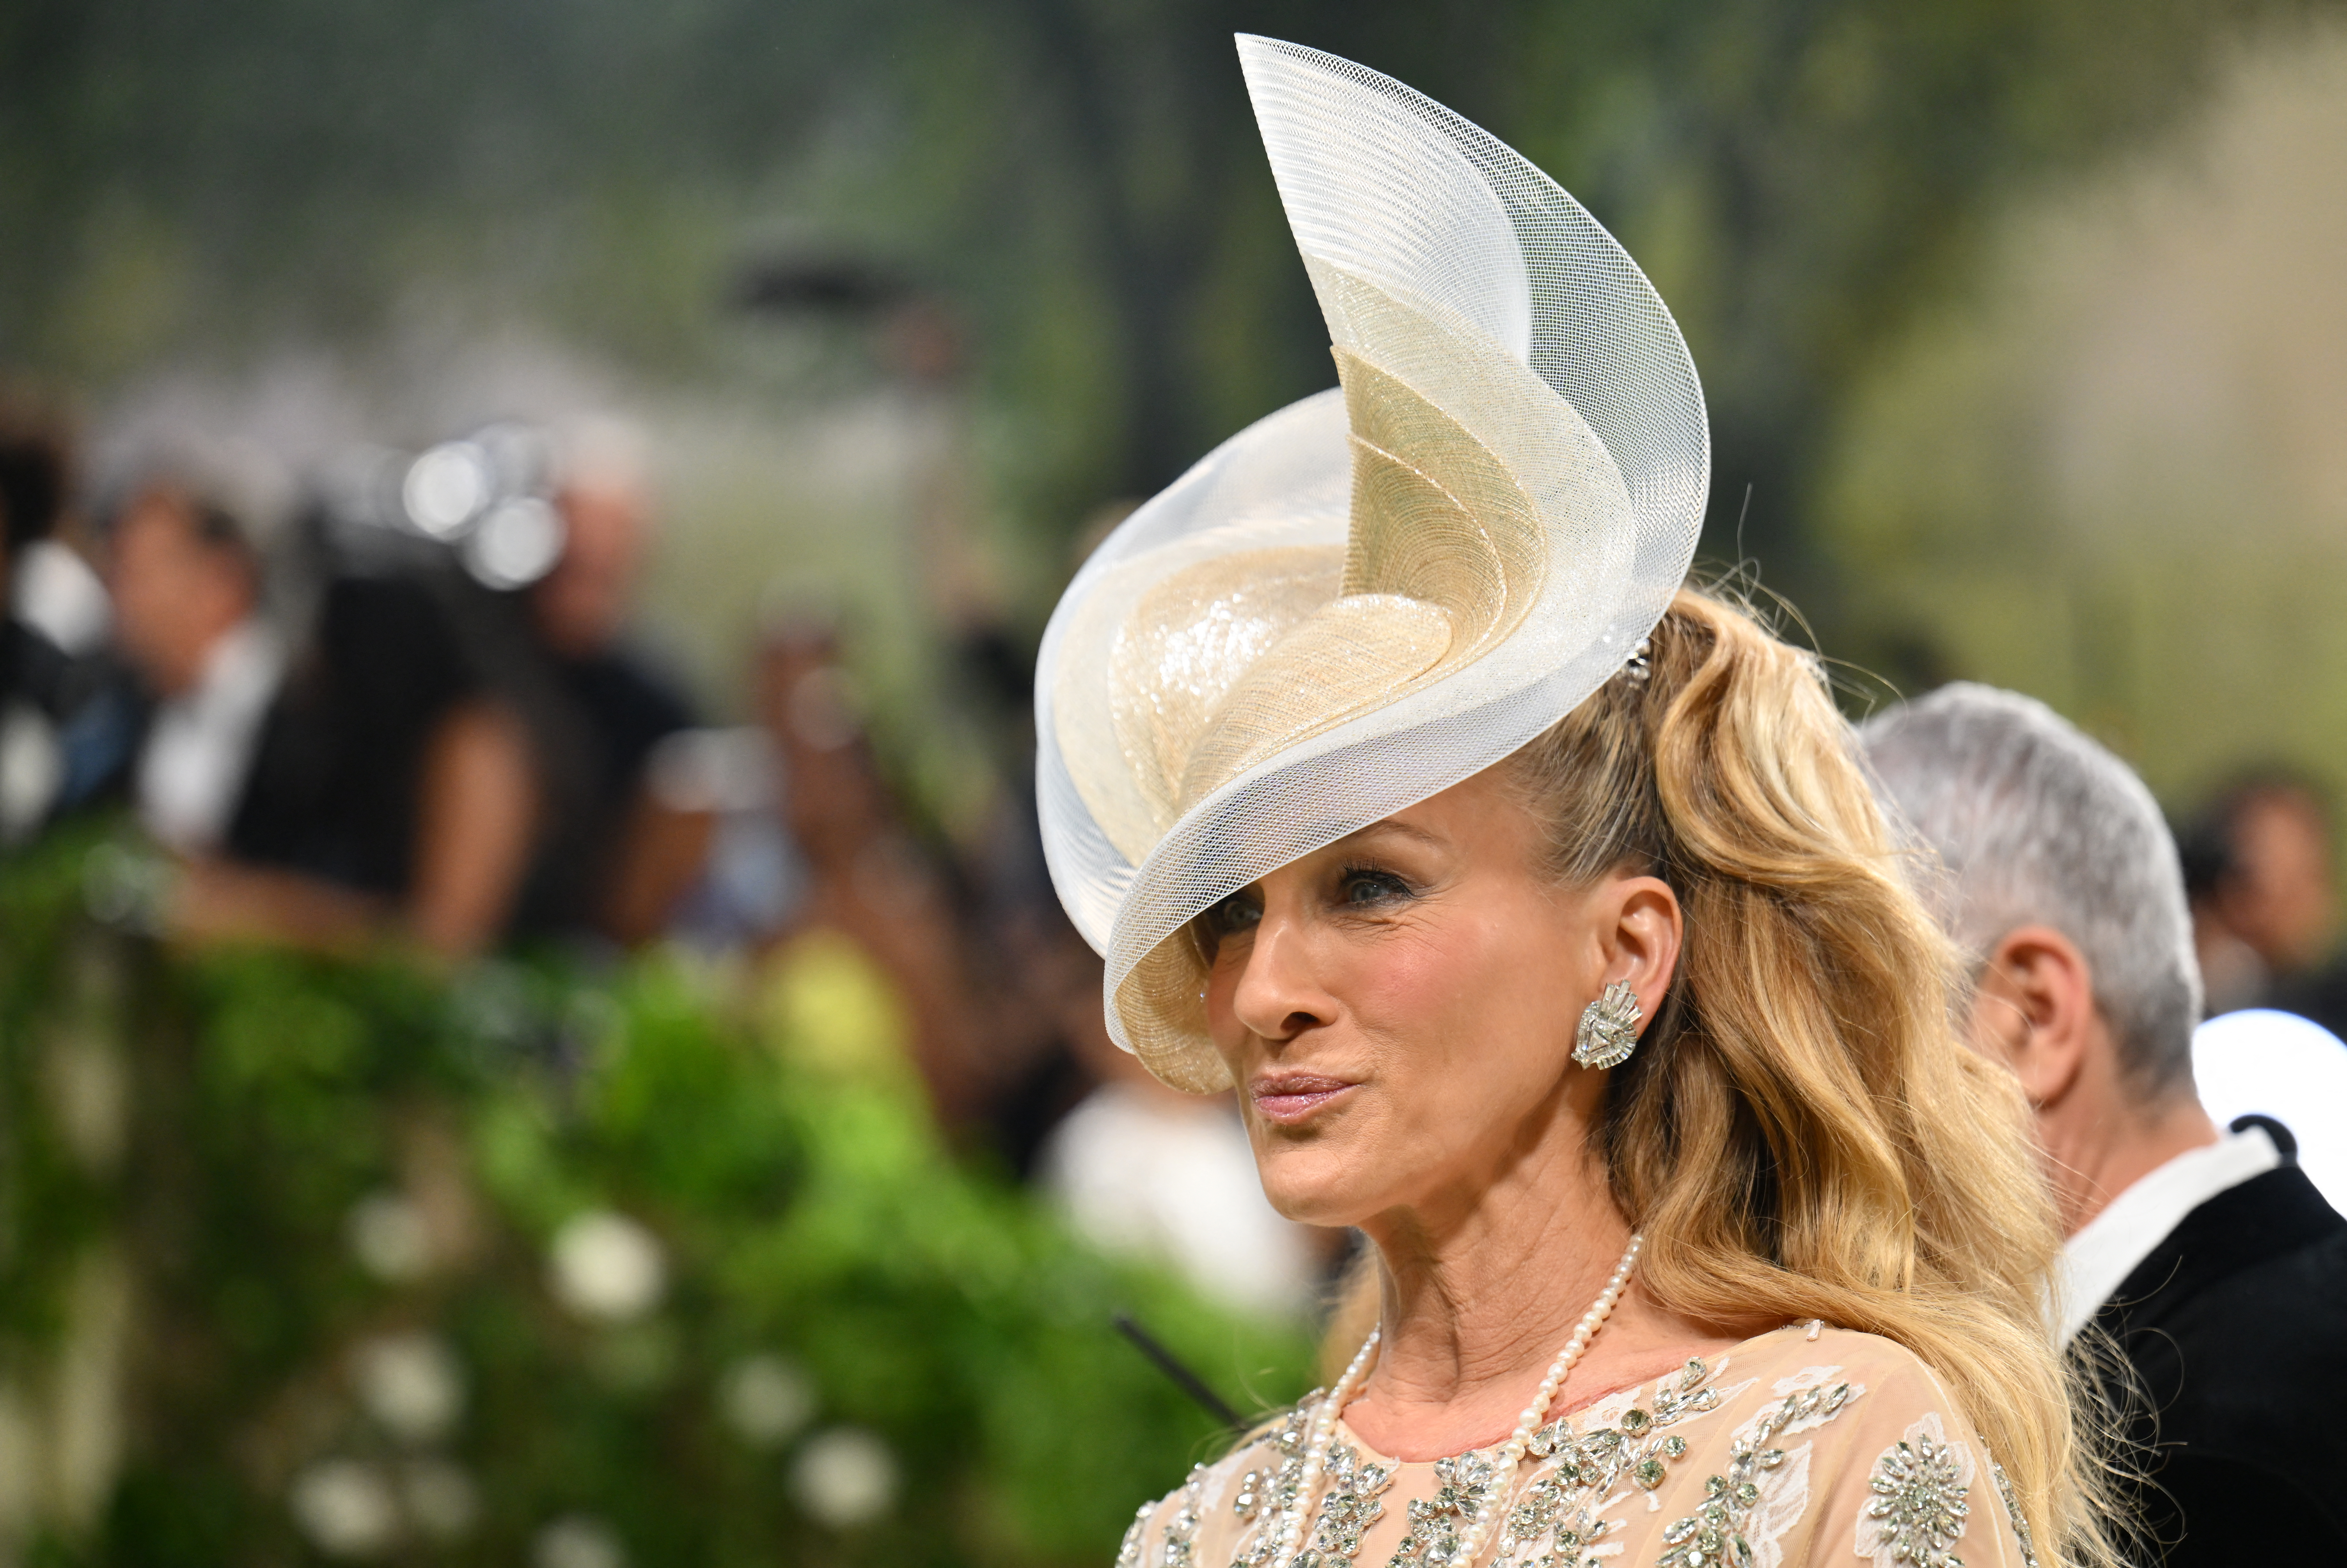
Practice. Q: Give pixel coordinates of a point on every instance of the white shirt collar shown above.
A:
(199, 744)
(2098, 1259)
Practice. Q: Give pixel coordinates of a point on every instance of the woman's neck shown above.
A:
(1481, 1294)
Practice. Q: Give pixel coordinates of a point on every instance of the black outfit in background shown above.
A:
(613, 709)
(2237, 1325)
(335, 779)
(629, 709)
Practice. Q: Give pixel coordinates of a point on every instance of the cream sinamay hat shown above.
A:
(1370, 595)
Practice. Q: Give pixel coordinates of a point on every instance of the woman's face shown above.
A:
(1398, 1009)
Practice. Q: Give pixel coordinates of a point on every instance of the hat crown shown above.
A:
(1377, 592)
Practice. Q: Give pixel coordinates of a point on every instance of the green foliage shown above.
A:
(281, 1105)
(52, 1205)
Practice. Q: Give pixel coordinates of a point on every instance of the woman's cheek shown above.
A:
(1420, 989)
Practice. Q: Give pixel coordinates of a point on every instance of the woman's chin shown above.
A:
(1308, 1186)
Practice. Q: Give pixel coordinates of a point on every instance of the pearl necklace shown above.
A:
(1292, 1528)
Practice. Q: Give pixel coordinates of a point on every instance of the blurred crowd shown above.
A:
(404, 702)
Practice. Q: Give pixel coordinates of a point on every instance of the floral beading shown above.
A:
(1350, 1507)
(1715, 1535)
(1918, 1509)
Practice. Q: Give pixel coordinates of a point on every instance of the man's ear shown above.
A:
(2034, 1010)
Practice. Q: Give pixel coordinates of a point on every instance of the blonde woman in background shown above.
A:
(1544, 926)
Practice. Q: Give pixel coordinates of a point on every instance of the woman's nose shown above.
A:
(1276, 997)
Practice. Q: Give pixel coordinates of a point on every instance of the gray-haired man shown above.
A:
(2209, 1257)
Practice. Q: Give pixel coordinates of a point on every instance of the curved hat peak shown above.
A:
(1375, 182)
(1382, 182)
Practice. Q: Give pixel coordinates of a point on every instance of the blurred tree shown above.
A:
(1801, 176)
(2108, 472)
(1080, 177)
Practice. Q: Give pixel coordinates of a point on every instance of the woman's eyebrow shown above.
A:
(1389, 828)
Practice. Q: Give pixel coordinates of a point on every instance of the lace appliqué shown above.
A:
(1918, 1508)
(1784, 1498)
(1810, 1377)
(2012, 1508)
(1720, 1533)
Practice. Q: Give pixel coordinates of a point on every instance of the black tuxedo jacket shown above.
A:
(2237, 1325)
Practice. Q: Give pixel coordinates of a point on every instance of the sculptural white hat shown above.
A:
(1378, 591)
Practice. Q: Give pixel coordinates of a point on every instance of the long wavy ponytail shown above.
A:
(1801, 1134)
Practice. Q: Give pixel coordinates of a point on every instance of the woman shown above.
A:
(1548, 932)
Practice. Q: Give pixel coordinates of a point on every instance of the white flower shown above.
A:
(390, 1236)
(411, 1384)
(606, 1266)
(441, 1499)
(345, 1507)
(576, 1541)
(765, 1400)
(845, 1477)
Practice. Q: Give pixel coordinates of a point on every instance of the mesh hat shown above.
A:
(1378, 591)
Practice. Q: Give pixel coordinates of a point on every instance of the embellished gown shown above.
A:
(1802, 1445)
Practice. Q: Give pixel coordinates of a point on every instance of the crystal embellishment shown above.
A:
(1350, 1509)
(1917, 1511)
(1248, 1500)
(1608, 1031)
(1270, 1490)
(1180, 1549)
(1561, 1506)
(2020, 1521)
(1438, 1526)
(1129, 1554)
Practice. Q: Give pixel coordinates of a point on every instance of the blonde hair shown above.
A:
(1800, 1133)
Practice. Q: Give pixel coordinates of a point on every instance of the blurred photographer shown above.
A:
(619, 851)
(346, 784)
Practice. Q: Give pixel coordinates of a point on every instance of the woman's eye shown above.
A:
(1233, 915)
(1364, 889)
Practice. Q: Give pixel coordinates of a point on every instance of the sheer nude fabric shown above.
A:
(1804, 1446)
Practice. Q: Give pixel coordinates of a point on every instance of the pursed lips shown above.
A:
(1290, 1097)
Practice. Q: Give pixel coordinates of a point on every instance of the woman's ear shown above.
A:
(1642, 937)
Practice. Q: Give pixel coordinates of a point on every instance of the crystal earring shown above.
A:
(1609, 1027)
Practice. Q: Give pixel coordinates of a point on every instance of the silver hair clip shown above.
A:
(1637, 667)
